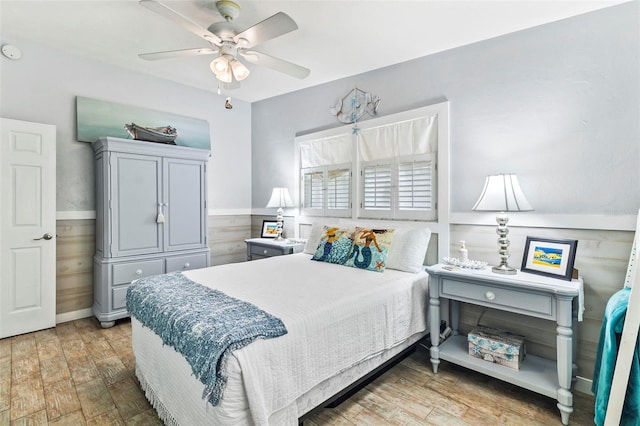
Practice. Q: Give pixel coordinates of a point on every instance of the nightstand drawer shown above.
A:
(268, 251)
(510, 300)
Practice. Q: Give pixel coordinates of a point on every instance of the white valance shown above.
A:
(404, 138)
(326, 151)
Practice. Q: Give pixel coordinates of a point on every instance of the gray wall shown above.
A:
(557, 104)
(43, 85)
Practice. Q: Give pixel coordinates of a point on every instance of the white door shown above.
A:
(27, 227)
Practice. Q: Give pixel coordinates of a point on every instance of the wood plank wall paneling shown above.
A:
(601, 258)
(75, 245)
(226, 238)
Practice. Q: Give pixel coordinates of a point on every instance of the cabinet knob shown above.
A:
(138, 271)
(490, 295)
(187, 264)
(265, 251)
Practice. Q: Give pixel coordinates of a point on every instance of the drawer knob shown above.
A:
(187, 264)
(265, 251)
(490, 295)
(138, 271)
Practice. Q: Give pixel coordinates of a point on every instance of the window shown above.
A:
(395, 163)
(326, 191)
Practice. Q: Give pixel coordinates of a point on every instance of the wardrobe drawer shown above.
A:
(184, 263)
(124, 273)
(120, 297)
(499, 297)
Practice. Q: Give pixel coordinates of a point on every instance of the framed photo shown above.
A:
(269, 229)
(553, 258)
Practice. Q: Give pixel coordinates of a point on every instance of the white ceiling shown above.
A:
(335, 39)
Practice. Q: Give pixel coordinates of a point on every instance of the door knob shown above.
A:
(46, 236)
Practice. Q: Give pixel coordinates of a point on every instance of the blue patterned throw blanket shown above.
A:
(203, 324)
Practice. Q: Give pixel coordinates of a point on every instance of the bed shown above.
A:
(342, 323)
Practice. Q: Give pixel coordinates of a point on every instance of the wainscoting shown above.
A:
(76, 243)
(602, 258)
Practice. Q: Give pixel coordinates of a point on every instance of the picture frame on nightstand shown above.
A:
(549, 257)
(269, 229)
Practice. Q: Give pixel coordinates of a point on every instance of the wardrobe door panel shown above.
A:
(185, 220)
(135, 196)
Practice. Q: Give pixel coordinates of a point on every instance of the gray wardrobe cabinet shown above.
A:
(151, 217)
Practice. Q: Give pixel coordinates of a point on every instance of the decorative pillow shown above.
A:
(313, 239)
(370, 249)
(335, 244)
(408, 249)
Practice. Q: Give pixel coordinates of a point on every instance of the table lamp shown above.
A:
(280, 198)
(502, 194)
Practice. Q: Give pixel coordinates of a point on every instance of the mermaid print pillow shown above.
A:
(370, 249)
(334, 245)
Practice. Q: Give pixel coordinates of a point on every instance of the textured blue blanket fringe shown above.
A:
(203, 324)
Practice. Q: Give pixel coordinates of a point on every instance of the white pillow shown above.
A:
(314, 238)
(408, 249)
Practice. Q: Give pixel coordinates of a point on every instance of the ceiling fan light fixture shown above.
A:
(219, 65)
(225, 77)
(240, 72)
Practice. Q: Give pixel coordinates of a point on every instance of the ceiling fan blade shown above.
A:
(277, 64)
(272, 27)
(184, 22)
(177, 53)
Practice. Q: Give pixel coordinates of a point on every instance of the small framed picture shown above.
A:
(269, 229)
(553, 258)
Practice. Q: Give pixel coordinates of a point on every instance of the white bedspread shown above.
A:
(336, 317)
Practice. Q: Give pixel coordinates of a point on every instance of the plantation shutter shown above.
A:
(416, 188)
(376, 190)
(312, 190)
(339, 189)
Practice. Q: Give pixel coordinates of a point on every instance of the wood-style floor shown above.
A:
(80, 374)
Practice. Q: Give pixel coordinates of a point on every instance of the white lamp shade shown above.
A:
(219, 65)
(502, 193)
(240, 72)
(280, 198)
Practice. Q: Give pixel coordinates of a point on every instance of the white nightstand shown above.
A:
(523, 293)
(267, 247)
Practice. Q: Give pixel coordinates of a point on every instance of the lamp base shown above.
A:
(504, 269)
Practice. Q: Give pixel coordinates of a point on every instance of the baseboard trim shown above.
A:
(583, 385)
(74, 315)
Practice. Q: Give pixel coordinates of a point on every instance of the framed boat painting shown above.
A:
(96, 118)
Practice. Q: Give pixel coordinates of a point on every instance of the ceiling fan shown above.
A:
(229, 44)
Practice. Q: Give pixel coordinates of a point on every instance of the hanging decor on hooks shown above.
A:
(352, 106)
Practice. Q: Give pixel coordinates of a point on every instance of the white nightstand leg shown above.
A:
(434, 319)
(565, 346)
